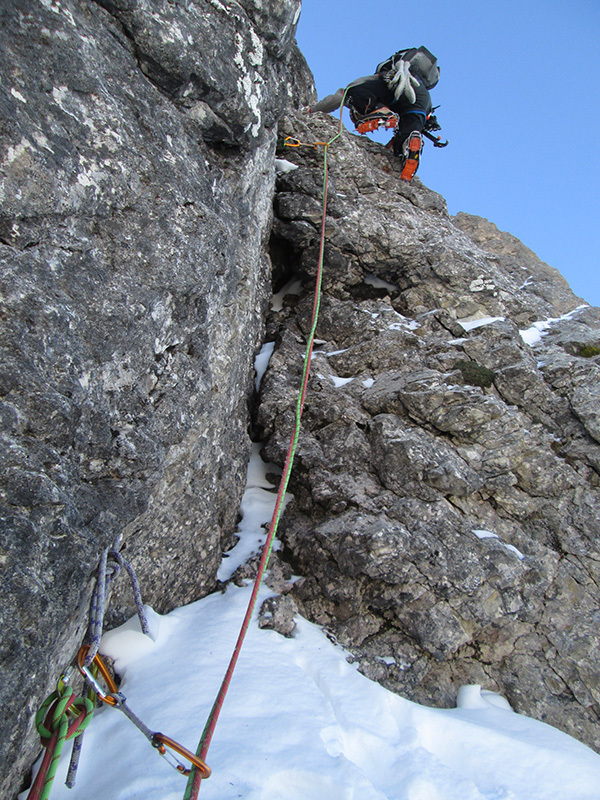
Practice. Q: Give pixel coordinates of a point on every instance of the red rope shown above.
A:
(195, 779)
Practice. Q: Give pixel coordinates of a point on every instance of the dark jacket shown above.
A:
(367, 93)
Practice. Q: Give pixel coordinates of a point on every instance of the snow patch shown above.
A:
(261, 362)
(485, 534)
(405, 325)
(337, 352)
(533, 335)
(316, 726)
(282, 165)
(258, 504)
(338, 382)
(470, 323)
(379, 283)
(292, 287)
(473, 696)
(127, 643)
(482, 534)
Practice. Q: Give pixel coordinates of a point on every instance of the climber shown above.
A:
(399, 87)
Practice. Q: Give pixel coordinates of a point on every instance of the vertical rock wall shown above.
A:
(136, 167)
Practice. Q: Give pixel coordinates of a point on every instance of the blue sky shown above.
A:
(520, 104)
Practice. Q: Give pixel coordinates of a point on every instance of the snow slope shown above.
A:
(300, 723)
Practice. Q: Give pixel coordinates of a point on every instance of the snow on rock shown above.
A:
(379, 283)
(482, 534)
(473, 696)
(282, 165)
(127, 643)
(300, 723)
(338, 382)
(534, 333)
(292, 287)
(470, 324)
(261, 362)
(257, 507)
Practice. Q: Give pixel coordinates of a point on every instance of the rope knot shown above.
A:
(62, 716)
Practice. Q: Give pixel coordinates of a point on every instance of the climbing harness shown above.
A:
(195, 779)
(64, 716)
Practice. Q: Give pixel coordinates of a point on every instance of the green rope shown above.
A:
(62, 716)
(194, 780)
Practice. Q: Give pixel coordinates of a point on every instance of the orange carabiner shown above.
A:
(106, 697)
(290, 141)
(161, 742)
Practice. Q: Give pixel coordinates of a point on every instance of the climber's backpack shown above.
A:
(421, 61)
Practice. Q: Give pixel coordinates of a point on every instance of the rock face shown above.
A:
(137, 174)
(445, 521)
(446, 513)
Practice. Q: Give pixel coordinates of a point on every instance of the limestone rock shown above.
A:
(277, 614)
(137, 147)
(446, 484)
(445, 521)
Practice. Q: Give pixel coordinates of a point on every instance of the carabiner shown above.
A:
(161, 742)
(105, 696)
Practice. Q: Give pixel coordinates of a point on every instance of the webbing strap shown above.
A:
(195, 779)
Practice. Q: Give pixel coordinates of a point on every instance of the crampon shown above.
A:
(381, 118)
(411, 155)
(385, 118)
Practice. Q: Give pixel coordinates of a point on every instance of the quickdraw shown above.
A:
(63, 716)
(113, 697)
(290, 141)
